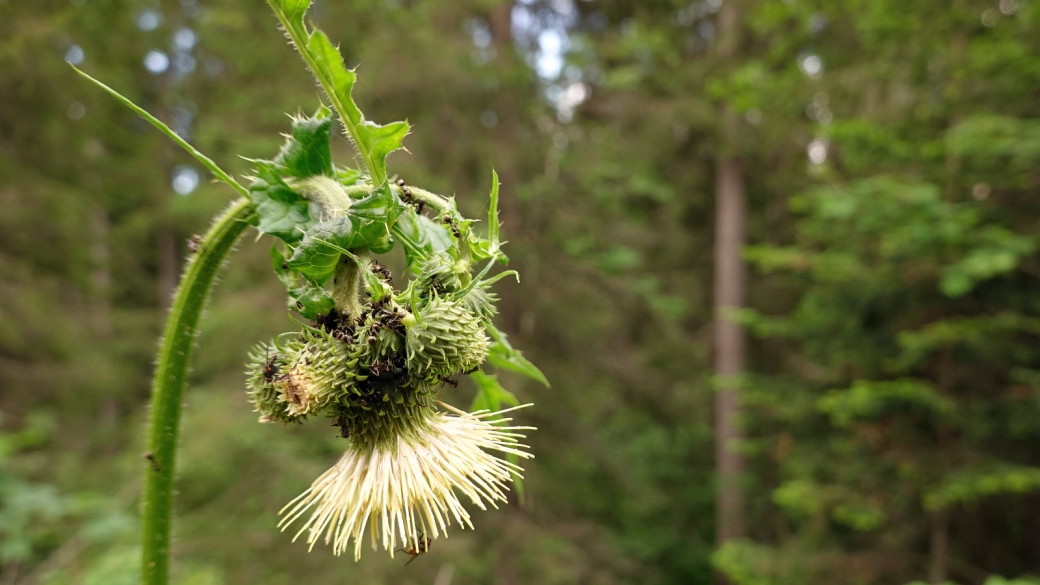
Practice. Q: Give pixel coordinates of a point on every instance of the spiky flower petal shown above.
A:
(410, 490)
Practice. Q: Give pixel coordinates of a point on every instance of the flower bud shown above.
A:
(444, 339)
(308, 376)
(481, 302)
(438, 275)
(267, 366)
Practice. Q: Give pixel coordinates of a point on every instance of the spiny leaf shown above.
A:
(282, 212)
(366, 224)
(491, 247)
(306, 152)
(307, 299)
(494, 225)
(421, 237)
(374, 142)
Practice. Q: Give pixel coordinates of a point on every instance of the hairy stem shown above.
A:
(168, 386)
(438, 203)
(346, 285)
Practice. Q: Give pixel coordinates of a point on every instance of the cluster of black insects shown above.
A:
(420, 206)
(387, 374)
(407, 197)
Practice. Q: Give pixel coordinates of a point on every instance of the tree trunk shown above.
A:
(940, 547)
(100, 276)
(513, 313)
(729, 344)
(169, 264)
(729, 296)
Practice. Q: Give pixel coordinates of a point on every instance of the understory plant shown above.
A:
(371, 352)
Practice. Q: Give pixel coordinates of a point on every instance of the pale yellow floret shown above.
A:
(409, 491)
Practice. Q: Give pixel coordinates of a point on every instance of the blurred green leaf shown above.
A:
(502, 355)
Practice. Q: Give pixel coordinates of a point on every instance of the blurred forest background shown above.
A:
(883, 156)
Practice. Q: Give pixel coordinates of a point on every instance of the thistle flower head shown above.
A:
(410, 489)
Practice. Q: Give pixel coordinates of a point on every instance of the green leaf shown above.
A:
(203, 159)
(422, 237)
(491, 247)
(314, 258)
(380, 141)
(494, 225)
(867, 399)
(366, 224)
(490, 393)
(281, 211)
(307, 299)
(374, 142)
(306, 151)
(502, 355)
(968, 485)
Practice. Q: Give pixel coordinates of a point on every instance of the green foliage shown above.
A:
(969, 485)
(932, 116)
(374, 142)
(502, 355)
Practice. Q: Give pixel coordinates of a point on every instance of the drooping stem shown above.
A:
(168, 386)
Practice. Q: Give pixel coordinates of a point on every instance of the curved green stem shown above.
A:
(168, 386)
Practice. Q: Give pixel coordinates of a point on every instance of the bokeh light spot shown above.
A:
(185, 179)
(156, 62)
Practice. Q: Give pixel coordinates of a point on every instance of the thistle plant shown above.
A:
(371, 352)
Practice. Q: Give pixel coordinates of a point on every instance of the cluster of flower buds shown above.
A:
(372, 358)
(373, 373)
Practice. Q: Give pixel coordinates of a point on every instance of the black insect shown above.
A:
(270, 371)
(416, 549)
(449, 381)
(382, 271)
(344, 426)
(151, 457)
(449, 221)
(409, 198)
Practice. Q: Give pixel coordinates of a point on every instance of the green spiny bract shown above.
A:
(304, 377)
(439, 274)
(481, 302)
(267, 364)
(444, 339)
(323, 370)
